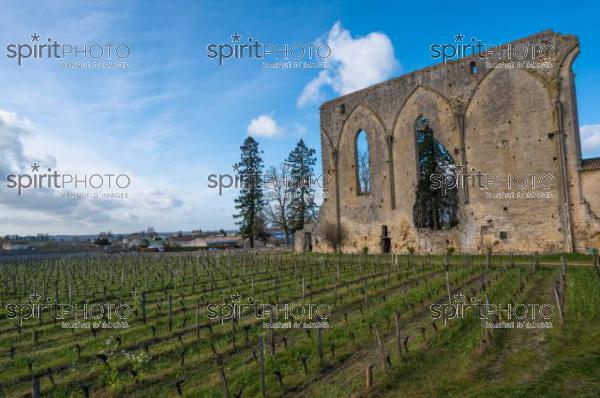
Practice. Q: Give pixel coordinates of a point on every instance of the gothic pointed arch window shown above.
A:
(473, 67)
(436, 201)
(363, 172)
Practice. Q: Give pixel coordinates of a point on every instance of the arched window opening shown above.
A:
(473, 67)
(363, 172)
(436, 204)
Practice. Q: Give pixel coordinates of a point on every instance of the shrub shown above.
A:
(330, 235)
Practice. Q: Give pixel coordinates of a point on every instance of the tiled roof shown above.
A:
(590, 164)
(230, 238)
(185, 238)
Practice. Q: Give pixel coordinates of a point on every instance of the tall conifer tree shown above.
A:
(250, 203)
(301, 162)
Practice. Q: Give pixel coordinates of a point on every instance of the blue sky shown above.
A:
(174, 116)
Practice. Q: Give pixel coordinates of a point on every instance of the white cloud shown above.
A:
(52, 211)
(42, 203)
(354, 63)
(590, 138)
(156, 199)
(12, 153)
(300, 130)
(125, 121)
(264, 126)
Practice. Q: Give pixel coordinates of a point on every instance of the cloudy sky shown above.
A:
(175, 116)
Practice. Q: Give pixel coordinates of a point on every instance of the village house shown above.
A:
(208, 241)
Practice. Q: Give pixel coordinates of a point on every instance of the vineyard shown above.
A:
(368, 329)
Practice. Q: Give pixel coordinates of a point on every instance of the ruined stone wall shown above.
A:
(590, 180)
(502, 121)
(591, 189)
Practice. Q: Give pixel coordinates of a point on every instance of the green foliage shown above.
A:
(250, 202)
(583, 294)
(102, 241)
(446, 363)
(302, 207)
(435, 207)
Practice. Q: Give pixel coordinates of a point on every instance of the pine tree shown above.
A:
(434, 208)
(302, 207)
(250, 202)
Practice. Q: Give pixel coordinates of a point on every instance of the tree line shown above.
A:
(282, 196)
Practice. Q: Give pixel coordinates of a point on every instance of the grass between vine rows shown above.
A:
(365, 291)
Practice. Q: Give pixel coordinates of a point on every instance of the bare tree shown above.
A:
(364, 177)
(277, 197)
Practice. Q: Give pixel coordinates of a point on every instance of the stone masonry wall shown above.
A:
(498, 121)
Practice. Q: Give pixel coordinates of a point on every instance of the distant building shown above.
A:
(156, 245)
(185, 241)
(133, 240)
(223, 242)
(15, 245)
(277, 236)
(205, 242)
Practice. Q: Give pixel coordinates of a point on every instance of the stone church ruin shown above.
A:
(480, 153)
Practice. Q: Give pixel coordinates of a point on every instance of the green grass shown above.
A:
(558, 362)
(445, 364)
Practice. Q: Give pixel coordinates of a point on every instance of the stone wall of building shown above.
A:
(493, 119)
(590, 180)
(591, 189)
